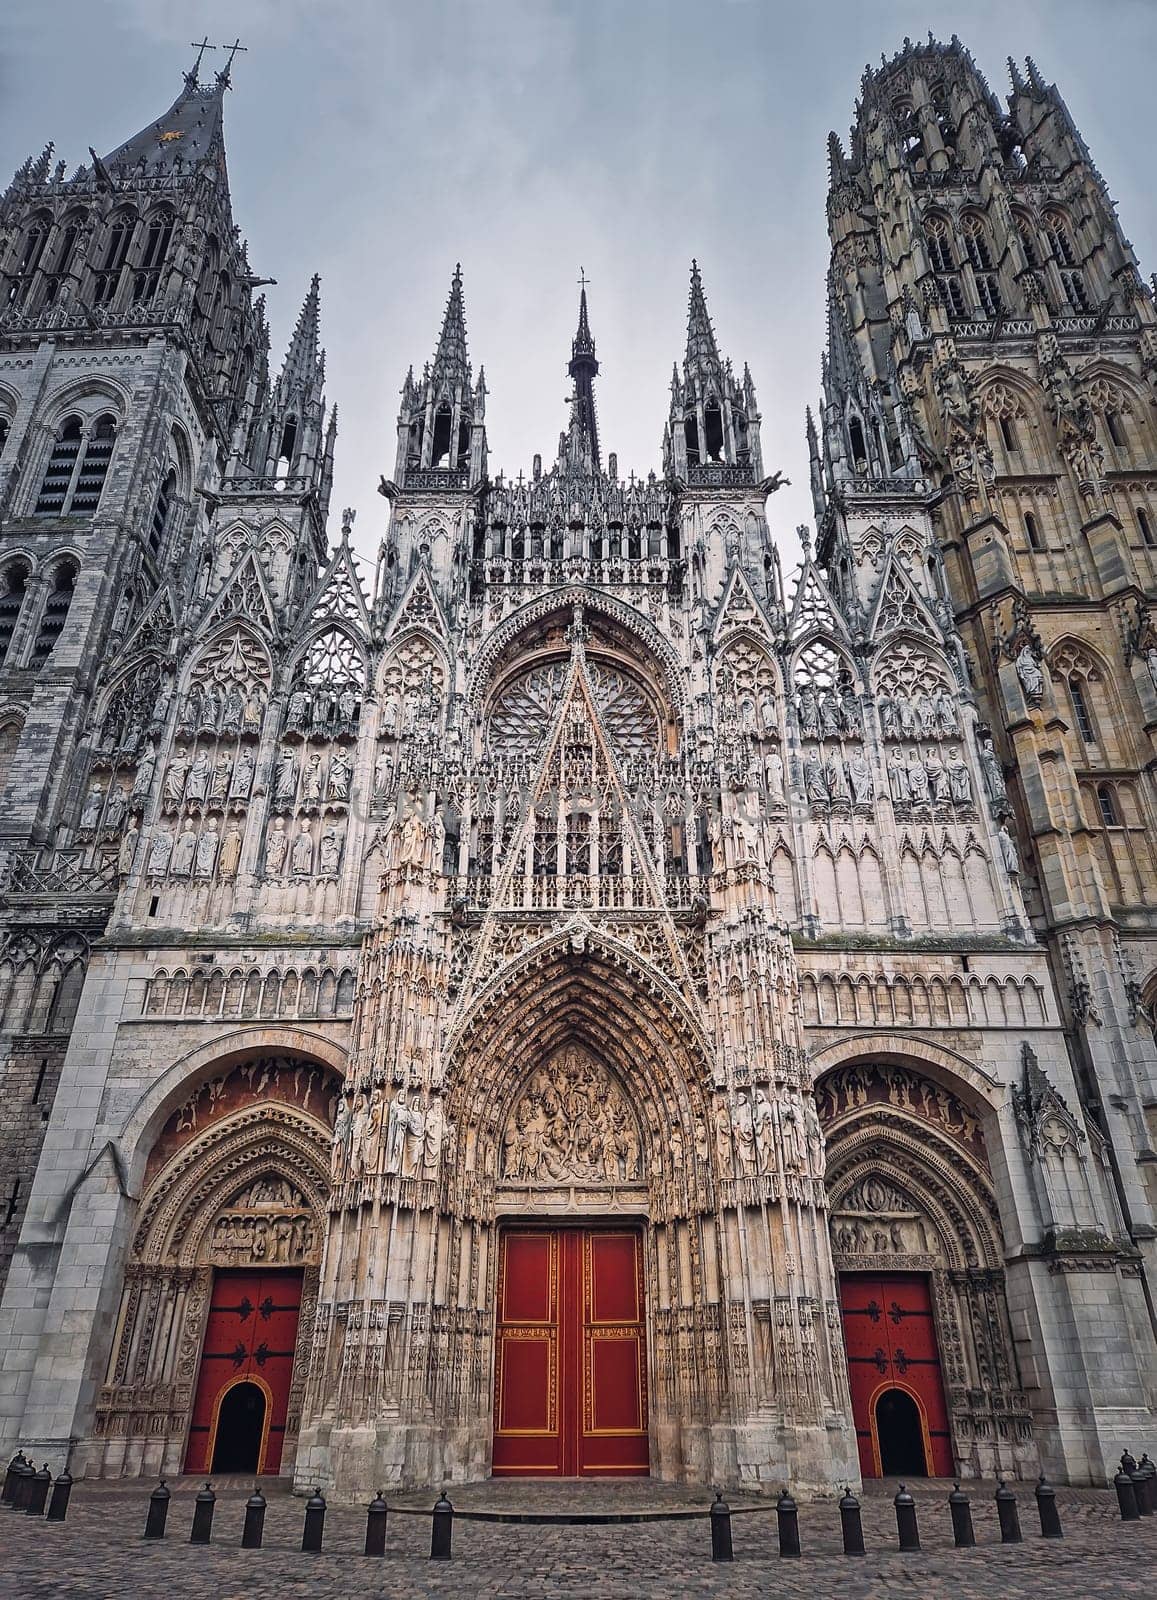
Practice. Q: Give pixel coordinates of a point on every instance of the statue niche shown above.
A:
(571, 1124)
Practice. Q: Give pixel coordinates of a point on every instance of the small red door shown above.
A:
(570, 1373)
(250, 1338)
(890, 1337)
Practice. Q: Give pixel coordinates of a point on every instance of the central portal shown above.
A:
(570, 1388)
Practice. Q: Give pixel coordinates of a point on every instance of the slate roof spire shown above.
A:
(451, 361)
(583, 367)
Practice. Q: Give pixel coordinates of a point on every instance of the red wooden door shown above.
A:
(890, 1337)
(570, 1392)
(251, 1336)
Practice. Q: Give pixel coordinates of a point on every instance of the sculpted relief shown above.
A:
(571, 1125)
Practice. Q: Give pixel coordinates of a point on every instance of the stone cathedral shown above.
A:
(582, 1004)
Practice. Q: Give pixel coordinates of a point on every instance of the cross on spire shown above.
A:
(193, 76)
(233, 49)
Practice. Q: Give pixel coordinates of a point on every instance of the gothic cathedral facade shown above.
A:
(580, 1005)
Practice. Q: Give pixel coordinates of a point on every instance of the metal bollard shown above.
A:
(1148, 1471)
(376, 1526)
(1007, 1514)
(14, 1471)
(960, 1507)
(202, 1529)
(1141, 1490)
(253, 1528)
(20, 1493)
(311, 1533)
(158, 1511)
(1126, 1497)
(851, 1524)
(906, 1525)
(61, 1490)
(1046, 1506)
(442, 1529)
(787, 1515)
(38, 1487)
(721, 1549)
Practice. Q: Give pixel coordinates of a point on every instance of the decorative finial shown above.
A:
(348, 518)
(226, 77)
(805, 539)
(193, 77)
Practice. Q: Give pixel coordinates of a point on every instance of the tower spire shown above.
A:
(450, 359)
(303, 358)
(583, 367)
(702, 352)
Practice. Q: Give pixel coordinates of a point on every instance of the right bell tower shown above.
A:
(992, 355)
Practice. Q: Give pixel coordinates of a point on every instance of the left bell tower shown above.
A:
(132, 356)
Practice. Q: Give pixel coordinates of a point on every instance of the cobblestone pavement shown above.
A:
(98, 1552)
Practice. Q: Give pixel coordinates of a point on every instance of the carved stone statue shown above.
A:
(275, 848)
(311, 780)
(898, 780)
(815, 783)
(146, 768)
(959, 781)
(993, 772)
(197, 783)
(183, 851)
(230, 853)
(329, 853)
(889, 718)
(297, 712)
(242, 776)
(207, 847)
(303, 851)
(90, 816)
(773, 776)
(382, 767)
(1028, 670)
(160, 850)
(285, 784)
(835, 777)
(938, 791)
(918, 780)
(127, 855)
(860, 776)
(338, 785)
(1008, 851)
(219, 782)
(809, 713)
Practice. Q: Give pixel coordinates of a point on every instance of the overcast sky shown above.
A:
(378, 143)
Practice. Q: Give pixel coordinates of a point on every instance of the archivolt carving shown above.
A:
(571, 1124)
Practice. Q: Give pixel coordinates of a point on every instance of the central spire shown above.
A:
(583, 368)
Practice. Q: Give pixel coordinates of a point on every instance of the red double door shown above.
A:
(570, 1391)
(894, 1371)
(239, 1413)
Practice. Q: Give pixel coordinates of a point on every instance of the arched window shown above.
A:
(1064, 254)
(980, 256)
(55, 612)
(1028, 241)
(1145, 524)
(440, 454)
(858, 446)
(288, 447)
(939, 245)
(713, 428)
(118, 237)
(1032, 531)
(13, 584)
(158, 238)
(93, 468)
(1081, 713)
(62, 254)
(691, 438)
(28, 256)
(1115, 429)
(1107, 804)
(4, 426)
(463, 443)
(9, 739)
(1008, 433)
(161, 509)
(61, 468)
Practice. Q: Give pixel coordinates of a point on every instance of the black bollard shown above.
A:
(1126, 1497)
(13, 1473)
(1148, 1472)
(1007, 1514)
(851, 1525)
(906, 1524)
(960, 1507)
(23, 1487)
(787, 1515)
(40, 1484)
(158, 1511)
(1141, 1490)
(253, 1528)
(376, 1526)
(442, 1529)
(202, 1529)
(721, 1549)
(311, 1534)
(1046, 1507)
(61, 1490)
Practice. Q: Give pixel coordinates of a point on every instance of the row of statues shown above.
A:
(923, 715)
(927, 780)
(199, 777)
(232, 709)
(829, 779)
(752, 1126)
(404, 1138)
(328, 710)
(208, 853)
(829, 714)
(316, 783)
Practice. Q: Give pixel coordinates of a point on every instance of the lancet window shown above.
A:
(77, 467)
